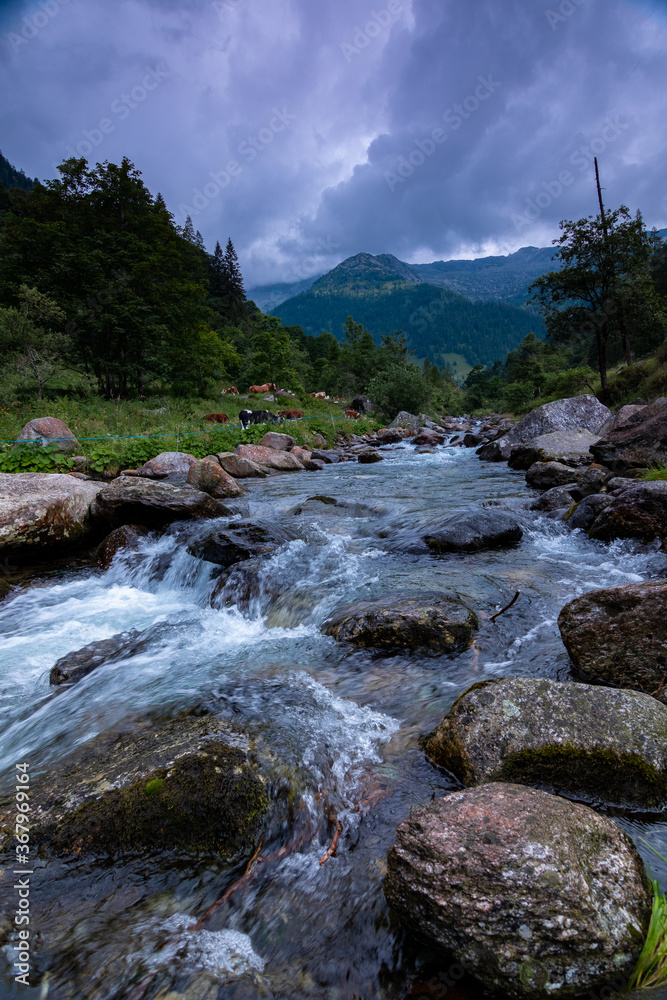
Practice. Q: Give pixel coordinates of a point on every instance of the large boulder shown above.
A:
(580, 482)
(127, 537)
(473, 530)
(600, 744)
(583, 514)
(535, 896)
(407, 420)
(50, 430)
(619, 635)
(209, 477)
(621, 418)
(281, 461)
(568, 447)
(638, 512)
(168, 463)
(432, 623)
(189, 784)
(277, 441)
(637, 440)
(241, 540)
(240, 468)
(580, 413)
(131, 500)
(41, 512)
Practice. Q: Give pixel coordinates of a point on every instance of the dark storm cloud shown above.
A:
(309, 132)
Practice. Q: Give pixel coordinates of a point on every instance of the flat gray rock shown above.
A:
(603, 745)
(44, 511)
(473, 530)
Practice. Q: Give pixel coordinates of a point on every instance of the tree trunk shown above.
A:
(601, 341)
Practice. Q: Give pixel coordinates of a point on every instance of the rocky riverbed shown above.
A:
(309, 658)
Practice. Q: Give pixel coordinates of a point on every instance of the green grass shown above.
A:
(654, 473)
(177, 424)
(651, 968)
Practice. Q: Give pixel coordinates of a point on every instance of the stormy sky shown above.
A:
(309, 130)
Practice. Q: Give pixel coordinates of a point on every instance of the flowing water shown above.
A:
(338, 729)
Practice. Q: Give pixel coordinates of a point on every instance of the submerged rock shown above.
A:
(189, 784)
(324, 505)
(211, 478)
(619, 635)
(369, 457)
(534, 895)
(44, 511)
(473, 530)
(50, 430)
(128, 536)
(130, 500)
(638, 512)
(599, 744)
(75, 666)
(241, 540)
(431, 623)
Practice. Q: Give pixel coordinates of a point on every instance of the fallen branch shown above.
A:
(232, 889)
(331, 849)
(506, 608)
(661, 687)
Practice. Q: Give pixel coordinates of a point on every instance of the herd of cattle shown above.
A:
(248, 417)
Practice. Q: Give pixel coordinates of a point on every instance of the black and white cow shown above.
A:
(248, 417)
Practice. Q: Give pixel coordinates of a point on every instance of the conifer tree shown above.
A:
(218, 283)
(236, 291)
(189, 230)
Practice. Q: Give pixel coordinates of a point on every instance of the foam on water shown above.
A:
(220, 953)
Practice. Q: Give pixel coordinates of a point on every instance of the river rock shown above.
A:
(431, 439)
(557, 498)
(5, 589)
(638, 512)
(386, 436)
(432, 623)
(328, 457)
(473, 530)
(604, 745)
(190, 784)
(281, 461)
(575, 414)
(168, 463)
(621, 418)
(211, 478)
(248, 586)
(619, 635)
(313, 465)
(240, 468)
(41, 512)
(369, 457)
(50, 430)
(130, 500)
(533, 895)
(302, 454)
(568, 447)
(127, 536)
(585, 512)
(75, 666)
(320, 505)
(241, 540)
(405, 419)
(636, 442)
(319, 441)
(277, 441)
(546, 475)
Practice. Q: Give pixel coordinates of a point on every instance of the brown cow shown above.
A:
(232, 391)
(318, 395)
(290, 414)
(217, 418)
(353, 414)
(269, 387)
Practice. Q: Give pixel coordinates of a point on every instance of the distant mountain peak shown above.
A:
(364, 270)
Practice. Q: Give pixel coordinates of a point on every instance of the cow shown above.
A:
(290, 414)
(318, 395)
(248, 417)
(353, 414)
(259, 389)
(232, 391)
(217, 418)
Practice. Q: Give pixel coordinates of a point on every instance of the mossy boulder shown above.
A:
(533, 895)
(431, 623)
(189, 784)
(600, 744)
(618, 635)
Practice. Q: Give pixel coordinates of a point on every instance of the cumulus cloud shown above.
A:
(309, 132)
